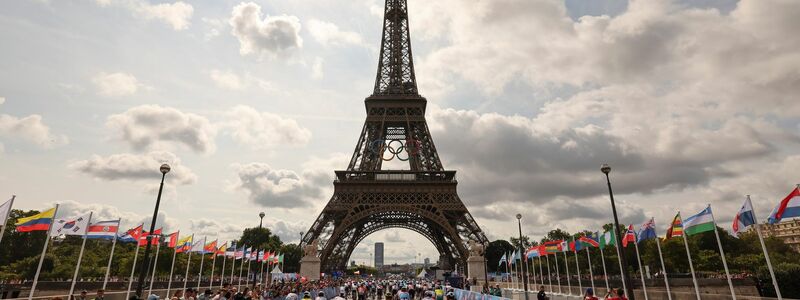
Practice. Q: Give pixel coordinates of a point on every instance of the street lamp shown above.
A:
(522, 251)
(261, 215)
(301, 239)
(146, 261)
(605, 168)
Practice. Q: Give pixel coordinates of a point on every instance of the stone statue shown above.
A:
(311, 249)
(475, 249)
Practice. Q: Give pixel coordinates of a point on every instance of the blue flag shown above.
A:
(648, 231)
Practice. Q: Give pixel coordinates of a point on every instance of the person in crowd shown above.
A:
(340, 297)
(541, 295)
(321, 296)
(100, 295)
(178, 295)
(589, 294)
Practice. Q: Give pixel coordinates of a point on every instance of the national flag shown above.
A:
(265, 257)
(701, 222)
(575, 246)
(280, 258)
(184, 244)
(132, 235)
(154, 238)
(565, 246)
(198, 246)
(589, 239)
(172, 239)
(5, 211)
(239, 253)
(513, 258)
(629, 237)
(676, 228)
(745, 217)
(609, 238)
(276, 258)
(260, 257)
(788, 208)
(70, 226)
(532, 252)
(40, 221)
(103, 230)
(221, 250)
(553, 246)
(647, 231)
(210, 247)
(231, 251)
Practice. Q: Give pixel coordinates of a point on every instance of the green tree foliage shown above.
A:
(494, 251)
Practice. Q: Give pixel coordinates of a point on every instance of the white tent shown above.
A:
(422, 274)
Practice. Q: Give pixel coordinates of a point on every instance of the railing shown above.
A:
(396, 176)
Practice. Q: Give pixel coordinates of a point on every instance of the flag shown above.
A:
(276, 258)
(70, 226)
(172, 239)
(553, 247)
(532, 252)
(210, 247)
(260, 257)
(222, 250)
(701, 222)
(564, 246)
(589, 239)
(629, 237)
(608, 238)
(266, 256)
(647, 231)
(745, 217)
(132, 235)
(575, 246)
(184, 244)
(231, 251)
(239, 253)
(103, 230)
(280, 258)
(788, 208)
(5, 210)
(154, 238)
(676, 228)
(40, 221)
(198, 246)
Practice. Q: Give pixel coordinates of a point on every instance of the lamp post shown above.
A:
(301, 239)
(521, 251)
(605, 168)
(260, 223)
(146, 261)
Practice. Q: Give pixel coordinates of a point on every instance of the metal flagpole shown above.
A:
(663, 267)
(233, 263)
(569, 282)
(260, 280)
(241, 268)
(605, 275)
(133, 267)
(155, 264)
(766, 255)
(203, 259)
(213, 264)
(549, 280)
(5, 218)
(80, 258)
(621, 271)
(689, 256)
(558, 275)
(172, 268)
(578, 268)
(188, 262)
(247, 279)
(722, 255)
(41, 257)
(222, 274)
(528, 267)
(639, 261)
(591, 272)
(110, 257)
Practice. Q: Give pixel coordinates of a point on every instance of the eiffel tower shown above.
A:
(368, 199)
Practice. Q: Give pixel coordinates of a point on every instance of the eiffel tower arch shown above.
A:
(367, 198)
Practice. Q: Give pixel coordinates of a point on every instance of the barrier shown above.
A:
(470, 295)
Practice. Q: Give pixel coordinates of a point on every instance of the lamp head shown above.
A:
(605, 168)
(165, 169)
(262, 214)
(519, 216)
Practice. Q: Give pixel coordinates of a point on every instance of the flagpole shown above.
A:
(541, 272)
(241, 268)
(80, 257)
(247, 281)
(619, 259)
(722, 255)
(188, 262)
(639, 261)
(233, 262)
(202, 260)
(558, 275)
(172, 268)
(213, 265)
(689, 256)
(5, 219)
(222, 274)
(41, 257)
(766, 254)
(133, 267)
(262, 268)
(591, 272)
(578, 268)
(110, 257)
(549, 280)
(605, 274)
(155, 264)
(663, 267)
(569, 282)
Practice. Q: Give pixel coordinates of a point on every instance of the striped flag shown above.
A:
(132, 235)
(590, 240)
(37, 222)
(172, 239)
(70, 226)
(630, 236)
(745, 217)
(788, 208)
(701, 222)
(676, 228)
(608, 239)
(103, 230)
(647, 231)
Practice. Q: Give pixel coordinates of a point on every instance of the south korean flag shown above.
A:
(70, 226)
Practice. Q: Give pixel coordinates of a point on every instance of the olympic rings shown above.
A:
(395, 147)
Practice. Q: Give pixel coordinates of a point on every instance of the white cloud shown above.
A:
(104, 212)
(317, 71)
(2, 100)
(115, 84)
(272, 35)
(227, 79)
(153, 126)
(135, 167)
(30, 129)
(328, 34)
(177, 14)
(276, 188)
(262, 130)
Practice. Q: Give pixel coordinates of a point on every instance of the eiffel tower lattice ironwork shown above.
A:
(366, 198)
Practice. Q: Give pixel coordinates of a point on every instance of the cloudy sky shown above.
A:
(254, 104)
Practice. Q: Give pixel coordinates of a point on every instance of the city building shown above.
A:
(788, 231)
(378, 255)
(427, 262)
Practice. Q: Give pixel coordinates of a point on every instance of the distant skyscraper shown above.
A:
(378, 255)
(427, 262)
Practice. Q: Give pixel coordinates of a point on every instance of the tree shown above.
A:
(259, 238)
(291, 258)
(525, 242)
(494, 251)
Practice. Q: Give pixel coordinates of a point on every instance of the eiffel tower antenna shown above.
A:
(396, 64)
